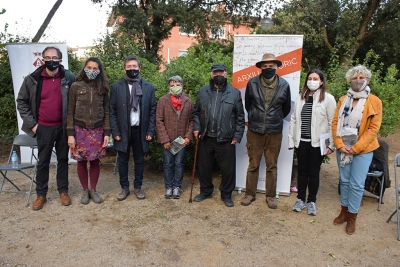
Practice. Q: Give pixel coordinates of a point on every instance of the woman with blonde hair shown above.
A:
(355, 127)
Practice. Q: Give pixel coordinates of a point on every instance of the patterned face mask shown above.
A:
(91, 74)
(175, 90)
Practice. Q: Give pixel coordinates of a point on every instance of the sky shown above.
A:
(77, 22)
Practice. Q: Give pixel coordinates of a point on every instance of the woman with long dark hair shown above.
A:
(88, 125)
(312, 116)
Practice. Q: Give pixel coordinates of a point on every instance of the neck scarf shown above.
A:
(177, 101)
(136, 91)
(351, 118)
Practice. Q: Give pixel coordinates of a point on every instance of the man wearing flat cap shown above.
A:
(218, 120)
(268, 102)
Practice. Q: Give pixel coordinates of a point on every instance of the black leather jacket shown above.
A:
(230, 124)
(267, 121)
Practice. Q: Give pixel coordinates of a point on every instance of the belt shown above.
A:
(135, 127)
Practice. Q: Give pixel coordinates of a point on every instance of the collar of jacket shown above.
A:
(222, 88)
(372, 110)
(259, 77)
(225, 92)
(36, 75)
(184, 99)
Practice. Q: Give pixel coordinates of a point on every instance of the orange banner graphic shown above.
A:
(291, 62)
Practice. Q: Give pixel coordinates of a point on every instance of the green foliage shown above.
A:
(8, 114)
(336, 26)
(113, 48)
(74, 64)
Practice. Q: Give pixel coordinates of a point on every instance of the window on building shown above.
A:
(183, 32)
(182, 53)
(217, 32)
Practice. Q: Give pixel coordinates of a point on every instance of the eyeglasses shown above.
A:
(51, 58)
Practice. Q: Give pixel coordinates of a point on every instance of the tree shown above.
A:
(46, 22)
(335, 26)
(150, 22)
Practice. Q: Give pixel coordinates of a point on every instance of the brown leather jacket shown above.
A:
(87, 109)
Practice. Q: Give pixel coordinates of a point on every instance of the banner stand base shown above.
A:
(240, 189)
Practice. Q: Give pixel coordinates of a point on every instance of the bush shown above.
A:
(8, 113)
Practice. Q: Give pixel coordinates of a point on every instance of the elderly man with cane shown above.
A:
(218, 118)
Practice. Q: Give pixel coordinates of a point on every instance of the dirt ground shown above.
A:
(160, 232)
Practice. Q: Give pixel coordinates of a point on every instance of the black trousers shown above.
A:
(47, 138)
(226, 156)
(309, 161)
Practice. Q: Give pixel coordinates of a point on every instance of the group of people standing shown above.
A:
(80, 114)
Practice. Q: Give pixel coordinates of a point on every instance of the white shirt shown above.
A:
(135, 115)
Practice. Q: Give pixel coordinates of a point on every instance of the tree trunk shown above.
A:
(346, 58)
(46, 22)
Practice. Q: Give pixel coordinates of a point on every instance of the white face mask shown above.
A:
(313, 85)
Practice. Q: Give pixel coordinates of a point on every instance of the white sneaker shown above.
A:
(312, 210)
(299, 205)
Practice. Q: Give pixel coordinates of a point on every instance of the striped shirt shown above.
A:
(306, 114)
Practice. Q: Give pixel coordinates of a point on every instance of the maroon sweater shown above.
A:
(50, 109)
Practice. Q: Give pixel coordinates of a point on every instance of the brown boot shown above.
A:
(351, 223)
(342, 216)
(271, 202)
(39, 202)
(65, 199)
(247, 200)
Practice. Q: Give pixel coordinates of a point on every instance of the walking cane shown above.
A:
(194, 168)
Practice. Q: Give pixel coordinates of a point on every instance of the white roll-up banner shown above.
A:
(248, 50)
(25, 58)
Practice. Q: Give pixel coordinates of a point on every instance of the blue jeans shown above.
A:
(138, 156)
(352, 180)
(173, 167)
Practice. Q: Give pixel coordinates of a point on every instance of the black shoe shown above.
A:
(200, 197)
(228, 202)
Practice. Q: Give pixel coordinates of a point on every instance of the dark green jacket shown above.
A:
(28, 100)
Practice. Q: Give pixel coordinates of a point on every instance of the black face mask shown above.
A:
(268, 73)
(132, 73)
(219, 80)
(52, 65)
